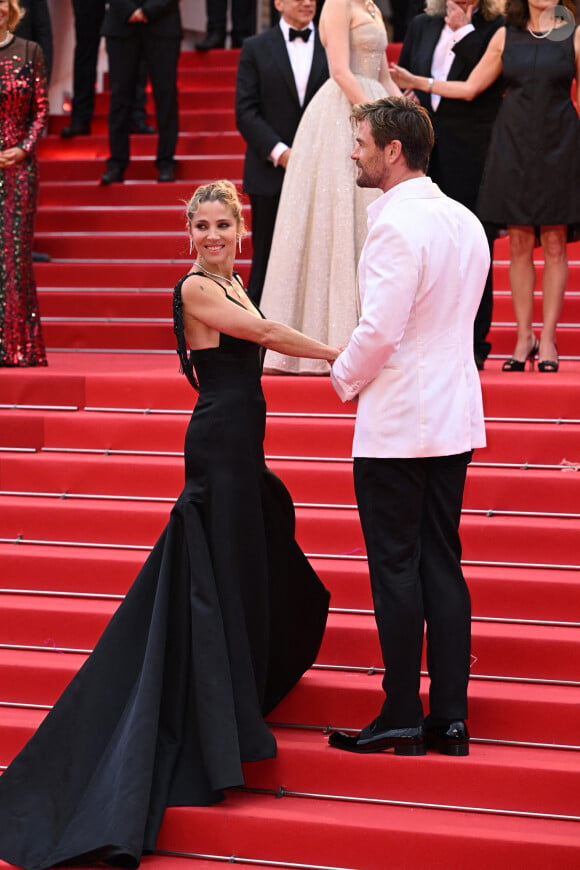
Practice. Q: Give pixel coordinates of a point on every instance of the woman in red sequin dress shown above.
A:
(23, 114)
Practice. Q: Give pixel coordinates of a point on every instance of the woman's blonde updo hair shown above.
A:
(15, 13)
(217, 191)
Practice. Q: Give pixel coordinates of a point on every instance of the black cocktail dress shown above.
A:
(532, 173)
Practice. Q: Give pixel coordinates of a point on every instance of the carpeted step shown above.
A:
(210, 118)
(139, 336)
(114, 246)
(189, 142)
(132, 332)
(141, 302)
(499, 710)
(498, 592)
(503, 339)
(332, 531)
(326, 833)
(120, 302)
(503, 310)
(152, 382)
(499, 650)
(514, 443)
(196, 170)
(313, 482)
(514, 779)
(137, 196)
(103, 273)
(518, 779)
(505, 711)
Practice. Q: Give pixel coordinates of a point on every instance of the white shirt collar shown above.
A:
(285, 28)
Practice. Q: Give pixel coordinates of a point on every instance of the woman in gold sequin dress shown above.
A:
(23, 113)
(321, 225)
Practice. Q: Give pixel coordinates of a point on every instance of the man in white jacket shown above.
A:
(410, 365)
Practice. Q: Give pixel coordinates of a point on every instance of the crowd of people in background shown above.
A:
(457, 59)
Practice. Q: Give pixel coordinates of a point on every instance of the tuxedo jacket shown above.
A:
(162, 15)
(410, 360)
(267, 106)
(36, 27)
(462, 127)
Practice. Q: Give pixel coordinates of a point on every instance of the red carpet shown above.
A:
(90, 461)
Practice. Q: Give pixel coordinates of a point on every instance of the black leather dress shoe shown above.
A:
(40, 257)
(75, 130)
(404, 741)
(113, 175)
(212, 40)
(166, 173)
(142, 127)
(449, 738)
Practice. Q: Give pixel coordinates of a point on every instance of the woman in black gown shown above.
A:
(531, 182)
(221, 622)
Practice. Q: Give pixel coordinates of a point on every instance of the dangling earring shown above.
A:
(190, 246)
(240, 244)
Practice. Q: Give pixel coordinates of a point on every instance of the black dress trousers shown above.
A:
(160, 55)
(410, 511)
(88, 15)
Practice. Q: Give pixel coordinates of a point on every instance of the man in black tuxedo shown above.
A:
(88, 18)
(278, 74)
(446, 43)
(148, 29)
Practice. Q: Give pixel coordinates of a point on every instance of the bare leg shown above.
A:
(553, 287)
(522, 281)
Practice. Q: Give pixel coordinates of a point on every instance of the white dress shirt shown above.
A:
(300, 54)
(443, 56)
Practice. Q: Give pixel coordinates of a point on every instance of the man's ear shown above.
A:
(393, 150)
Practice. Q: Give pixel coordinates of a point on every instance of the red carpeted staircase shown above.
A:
(90, 462)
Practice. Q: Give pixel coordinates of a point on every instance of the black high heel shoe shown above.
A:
(517, 365)
(549, 365)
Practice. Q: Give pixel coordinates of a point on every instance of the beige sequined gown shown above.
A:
(321, 224)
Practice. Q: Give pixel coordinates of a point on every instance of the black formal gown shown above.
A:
(221, 622)
(532, 174)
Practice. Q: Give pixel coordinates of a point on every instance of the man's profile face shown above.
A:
(296, 13)
(372, 170)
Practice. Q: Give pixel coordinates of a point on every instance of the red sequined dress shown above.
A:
(23, 114)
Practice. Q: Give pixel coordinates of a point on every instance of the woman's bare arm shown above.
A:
(207, 311)
(481, 77)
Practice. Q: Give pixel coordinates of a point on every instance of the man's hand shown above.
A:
(457, 16)
(11, 156)
(284, 158)
(138, 17)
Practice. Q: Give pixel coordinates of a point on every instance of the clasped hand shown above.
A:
(11, 156)
(138, 17)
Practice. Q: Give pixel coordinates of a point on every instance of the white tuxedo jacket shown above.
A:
(410, 360)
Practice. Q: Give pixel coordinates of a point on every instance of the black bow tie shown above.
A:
(300, 34)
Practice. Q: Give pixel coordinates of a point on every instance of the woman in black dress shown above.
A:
(221, 622)
(531, 182)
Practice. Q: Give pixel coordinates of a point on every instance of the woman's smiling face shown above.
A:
(214, 232)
